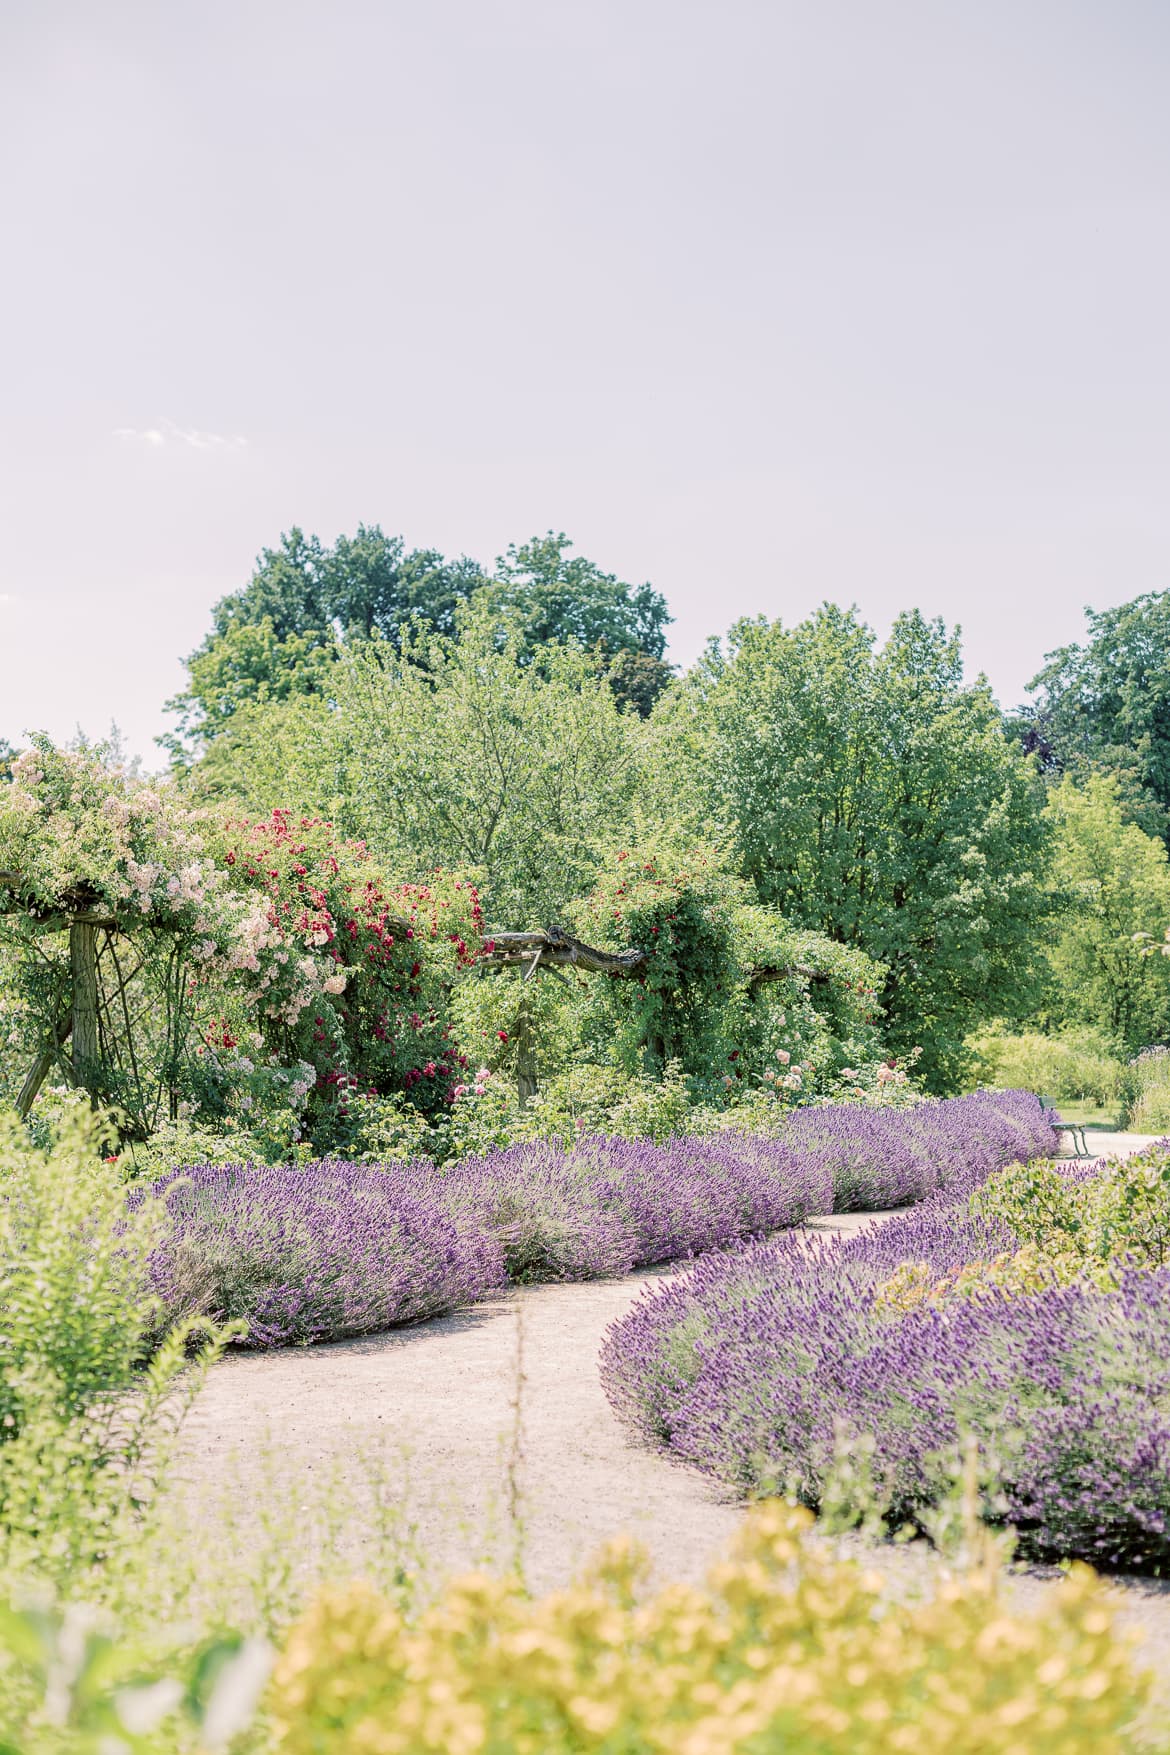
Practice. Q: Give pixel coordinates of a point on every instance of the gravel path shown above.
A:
(445, 1393)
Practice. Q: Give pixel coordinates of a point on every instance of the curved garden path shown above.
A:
(437, 1403)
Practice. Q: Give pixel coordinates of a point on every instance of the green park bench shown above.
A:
(1075, 1131)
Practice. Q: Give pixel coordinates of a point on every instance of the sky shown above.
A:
(765, 301)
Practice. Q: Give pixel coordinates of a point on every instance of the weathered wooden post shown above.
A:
(526, 1086)
(83, 975)
(38, 1072)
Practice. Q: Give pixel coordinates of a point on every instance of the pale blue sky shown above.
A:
(763, 302)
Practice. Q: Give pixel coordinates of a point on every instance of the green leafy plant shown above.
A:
(88, 1405)
(682, 913)
(1095, 1224)
(75, 1686)
(787, 1646)
(1074, 1066)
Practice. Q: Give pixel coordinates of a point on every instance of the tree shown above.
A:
(248, 665)
(1106, 704)
(374, 587)
(465, 752)
(546, 595)
(1113, 885)
(561, 598)
(875, 798)
(637, 680)
(271, 751)
(279, 636)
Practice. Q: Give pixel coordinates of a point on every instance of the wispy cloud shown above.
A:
(167, 432)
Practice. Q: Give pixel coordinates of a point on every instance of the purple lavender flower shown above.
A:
(756, 1366)
(335, 1248)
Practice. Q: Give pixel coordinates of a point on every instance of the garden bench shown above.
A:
(1075, 1131)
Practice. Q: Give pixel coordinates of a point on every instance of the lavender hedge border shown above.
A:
(335, 1249)
(758, 1368)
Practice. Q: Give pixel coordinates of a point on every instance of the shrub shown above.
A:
(609, 1205)
(1078, 1066)
(683, 914)
(786, 1648)
(1116, 1218)
(301, 1255)
(584, 1099)
(890, 1158)
(931, 1326)
(337, 1248)
(76, 1313)
(188, 1142)
(1146, 1090)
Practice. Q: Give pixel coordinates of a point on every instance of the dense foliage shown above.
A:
(787, 1648)
(375, 1022)
(1033, 1315)
(1106, 705)
(306, 603)
(335, 1248)
(517, 727)
(875, 798)
(467, 754)
(270, 967)
(1074, 1066)
(752, 1660)
(1112, 892)
(90, 1385)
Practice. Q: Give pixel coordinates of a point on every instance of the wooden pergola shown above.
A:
(97, 1021)
(551, 949)
(96, 1017)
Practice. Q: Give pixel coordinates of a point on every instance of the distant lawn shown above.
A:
(1091, 1115)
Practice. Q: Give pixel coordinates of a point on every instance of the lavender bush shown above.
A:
(306, 1254)
(760, 1367)
(610, 1205)
(333, 1248)
(895, 1157)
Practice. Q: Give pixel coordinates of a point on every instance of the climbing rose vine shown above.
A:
(346, 972)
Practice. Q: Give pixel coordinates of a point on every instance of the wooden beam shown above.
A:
(38, 1072)
(526, 1085)
(83, 972)
(555, 948)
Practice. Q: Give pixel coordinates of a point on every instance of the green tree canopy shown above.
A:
(1113, 884)
(546, 594)
(278, 637)
(465, 752)
(555, 596)
(1106, 704)
(875, 798)
(248, 665)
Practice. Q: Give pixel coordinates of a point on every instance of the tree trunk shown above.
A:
(525, 1057)
(83, 969)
